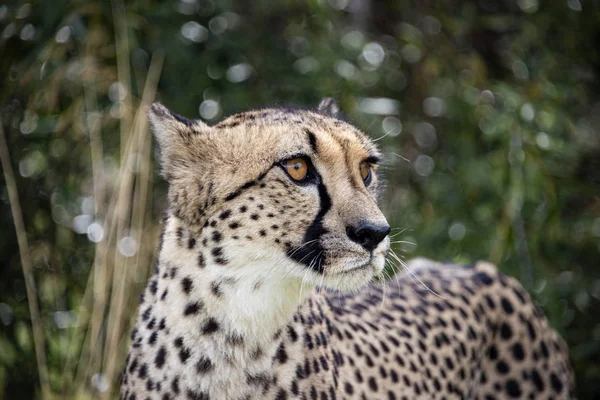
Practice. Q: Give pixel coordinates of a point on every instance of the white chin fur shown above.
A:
(349, 275)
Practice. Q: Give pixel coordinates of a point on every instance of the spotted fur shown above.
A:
(232, 310)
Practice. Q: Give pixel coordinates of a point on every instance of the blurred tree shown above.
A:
(488, 113)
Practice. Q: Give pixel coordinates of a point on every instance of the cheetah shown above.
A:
(265, 285)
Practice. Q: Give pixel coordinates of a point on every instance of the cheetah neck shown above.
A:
(221, 325)
(253, 300)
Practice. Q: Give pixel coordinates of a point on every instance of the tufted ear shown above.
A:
(328, 106)
(173, 133)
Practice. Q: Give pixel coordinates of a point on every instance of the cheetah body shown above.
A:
(243, 303)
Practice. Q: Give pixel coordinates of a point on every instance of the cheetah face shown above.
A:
(294, 188)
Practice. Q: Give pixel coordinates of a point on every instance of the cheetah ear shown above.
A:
(329, 106)
(174, 134)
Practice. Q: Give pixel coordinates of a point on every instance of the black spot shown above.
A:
(187, 284)
(175, 385)
(544, 350)
(506, 305)
(221, 260)
(216, 236)
(201, 261)
(159, 361)
(372, 384)
(254, 217)
(204, 365)
(191, 395)
(313, 393)
(234, 225)
(484, 278)
(151, 323)
(537, 380)
(281, 395)
(225, 214)
(192, 308)
(217, 252)
(153, 286)
(512, 388)
(348, 388)
(505, 331)
(324, 363)
(502, 367)
(358, 376)
(143, 371)
(517, 351)
(281, 354)
(215, 288)
(184, 354)
(292, 333)
(191, 243)
(152, 338)
(178, 342)
(520, 294)
(210, 326)
(133, 366)
(556, 383)
(493, 353)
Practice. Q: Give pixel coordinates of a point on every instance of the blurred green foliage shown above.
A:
(488, 113)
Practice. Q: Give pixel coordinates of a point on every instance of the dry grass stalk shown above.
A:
(123, 277)
(123, 67)
(34, 310)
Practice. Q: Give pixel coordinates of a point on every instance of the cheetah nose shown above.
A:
(368, 235)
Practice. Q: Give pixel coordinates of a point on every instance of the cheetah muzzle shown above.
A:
(265, 208)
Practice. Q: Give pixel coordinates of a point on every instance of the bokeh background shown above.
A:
(488, 112)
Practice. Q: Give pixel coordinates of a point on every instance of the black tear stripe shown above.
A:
(312, 254)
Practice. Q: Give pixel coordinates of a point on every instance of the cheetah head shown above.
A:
(293, 189)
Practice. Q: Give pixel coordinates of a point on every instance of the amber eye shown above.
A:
(365, 172)
(297, 168)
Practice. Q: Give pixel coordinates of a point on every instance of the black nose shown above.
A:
(368, 235)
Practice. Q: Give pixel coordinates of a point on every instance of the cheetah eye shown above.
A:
(365, 172)
(296, 168)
